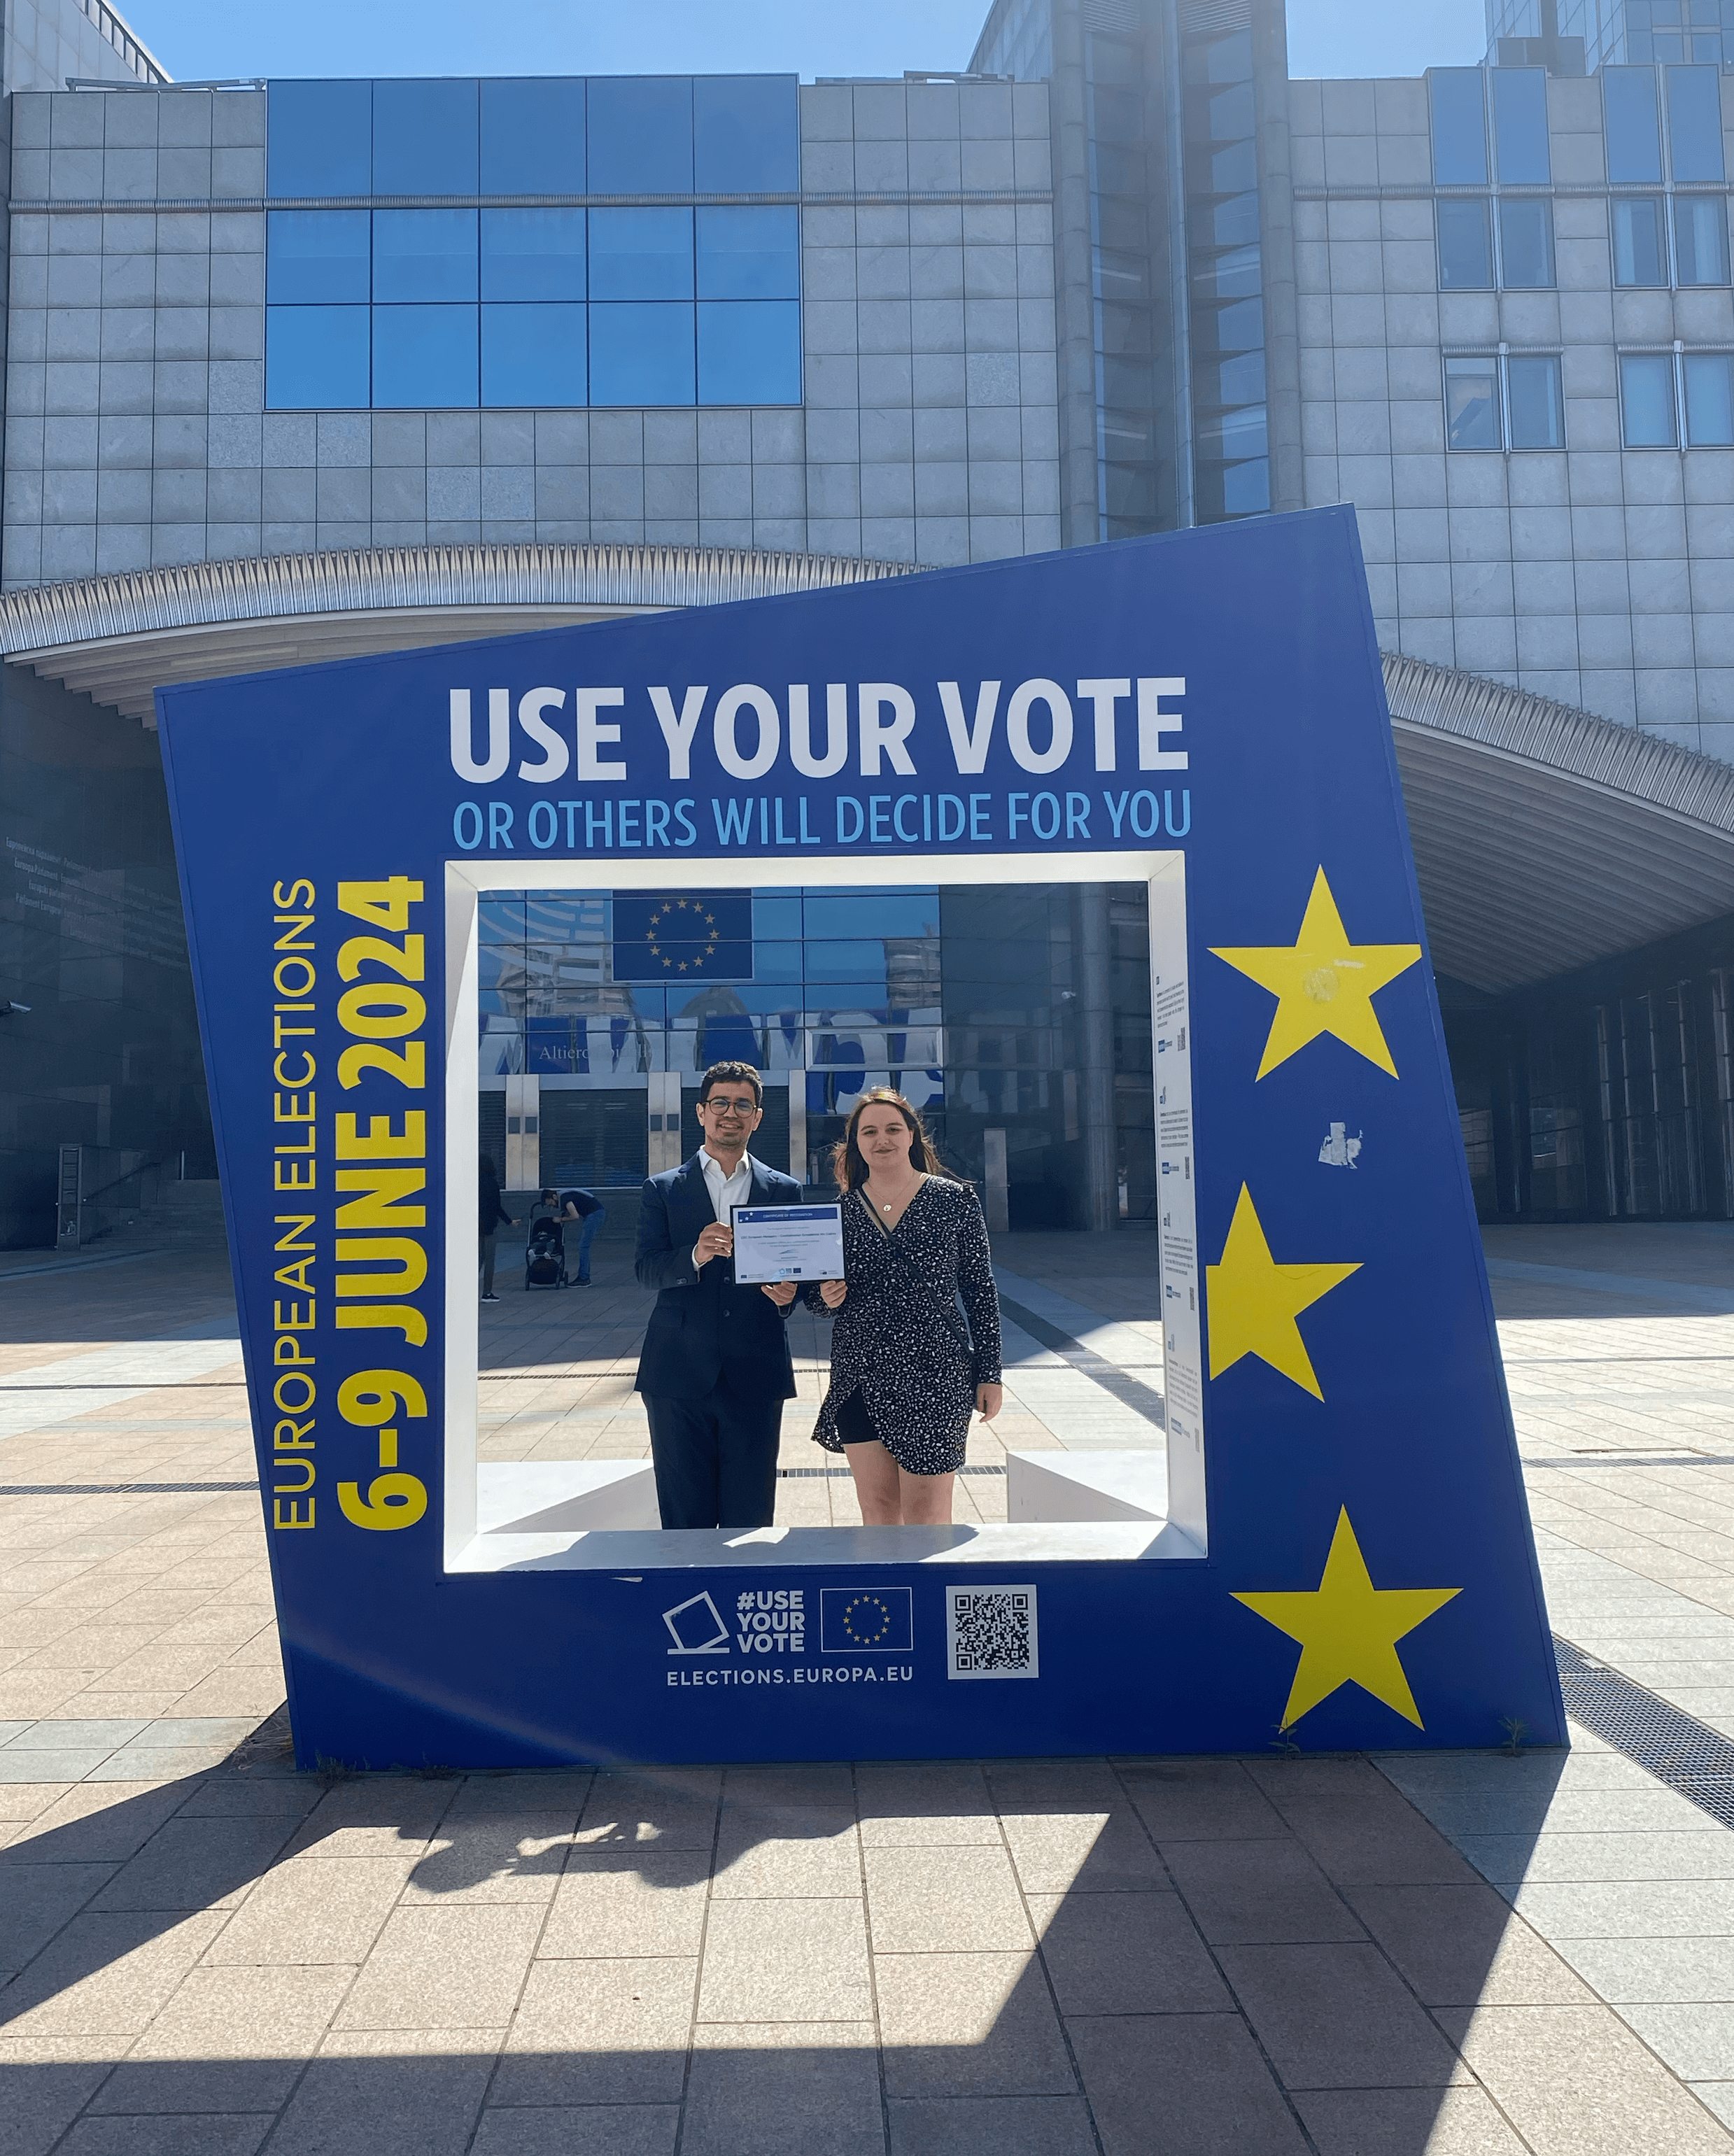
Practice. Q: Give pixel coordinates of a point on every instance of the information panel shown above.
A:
(1347, 1556)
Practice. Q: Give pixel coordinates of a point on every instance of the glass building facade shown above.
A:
(1580, 36)
(971, 1001)
(547, 242)
(1170, 104)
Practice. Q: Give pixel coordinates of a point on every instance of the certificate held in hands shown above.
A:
(787, 1242)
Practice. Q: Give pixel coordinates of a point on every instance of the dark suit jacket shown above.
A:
(703, 1319)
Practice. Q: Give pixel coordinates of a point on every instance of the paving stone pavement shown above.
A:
(1465, 1953)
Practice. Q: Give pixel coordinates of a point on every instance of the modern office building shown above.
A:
(303, 368)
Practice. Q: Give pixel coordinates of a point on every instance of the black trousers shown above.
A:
(716, 1458)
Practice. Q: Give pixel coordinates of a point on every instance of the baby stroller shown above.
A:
(545, 1255)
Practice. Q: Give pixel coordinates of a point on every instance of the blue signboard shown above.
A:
(1346, 1552)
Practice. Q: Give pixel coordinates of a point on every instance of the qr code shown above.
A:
(990, 1632)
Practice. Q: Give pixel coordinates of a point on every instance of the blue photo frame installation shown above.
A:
(1345, 1555)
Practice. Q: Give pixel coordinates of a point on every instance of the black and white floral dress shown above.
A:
(900, 1348)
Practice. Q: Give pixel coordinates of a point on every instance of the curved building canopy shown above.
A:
(1544, 839)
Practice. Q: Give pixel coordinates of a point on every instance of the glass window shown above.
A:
(1533, 402)
(1709, 399)
(1225, 490)
(1472, 403)
(533, 136)
(315, 358)
(641, 354)
(749, 254)
(641, 131)
(424, 357)
(1459, 128)
(773, 916)
(1640, 255)
(641, 254)
(319, 138)
(424, 254)
(424, 138)
(1646, 391)
(316, 255)
(532, 255)
(1635, 146)
(1237, 381)
(1700, 240)
(1695, 123)
(1525, 242)
(1465, 245)
(533, 353)
(746, 134)
(1520, 126)
(749, 352)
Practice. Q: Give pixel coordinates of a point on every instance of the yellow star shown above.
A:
(1253, 1302)
(1323, 984)
(1348, 1629)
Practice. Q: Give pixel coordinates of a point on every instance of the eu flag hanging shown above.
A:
(683, 935)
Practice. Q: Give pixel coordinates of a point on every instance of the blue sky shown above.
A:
(196, 39)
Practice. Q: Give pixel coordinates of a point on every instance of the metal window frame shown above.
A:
(1501, 355)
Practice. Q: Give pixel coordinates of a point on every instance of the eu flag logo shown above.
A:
(870, 1620)
(683, 935)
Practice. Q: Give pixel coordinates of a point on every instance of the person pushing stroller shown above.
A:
(560, 1210)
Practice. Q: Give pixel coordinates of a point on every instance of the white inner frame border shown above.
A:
(1182, 1535)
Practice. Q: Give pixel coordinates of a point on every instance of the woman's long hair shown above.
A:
(849, 1169)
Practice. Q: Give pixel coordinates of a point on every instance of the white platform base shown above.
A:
(1086, 1485)
(577, 1515)
(545, 1496)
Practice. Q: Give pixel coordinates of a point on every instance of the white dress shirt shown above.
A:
(726, 1189)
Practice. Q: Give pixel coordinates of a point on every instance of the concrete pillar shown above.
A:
(997, 1203)
(1073, 288)
(1277, 219)
(1095, 1002)
(798, 1162)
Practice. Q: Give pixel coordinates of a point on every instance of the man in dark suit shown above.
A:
(715, 1367)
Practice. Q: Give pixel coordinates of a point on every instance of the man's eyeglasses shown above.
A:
(729, 1107)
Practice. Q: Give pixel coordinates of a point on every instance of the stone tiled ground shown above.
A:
(1465, 1954)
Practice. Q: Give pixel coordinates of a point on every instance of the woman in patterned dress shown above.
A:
(906, 1373)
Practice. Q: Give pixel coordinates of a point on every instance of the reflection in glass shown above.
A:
(533, 353)
(640, 134)
(1709, 399)
(641, 254)
(1533, 401)
(1634, 143)
(316, 256)
(1520, 126)
(315, 358)
(749, 352)
(1460, 127)
(746, 134)
(1472, 403)
(643, 354)
(1525, 242)
(1640, 255)
(1695, 123)
(532, 253)
(1465, 246)
(749, 254)
(424, 254)
(319, 138)
(424, 357)
(532, 136)
(1235, 275)
(1646, 391)
(1700, 240)
(424, 137)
